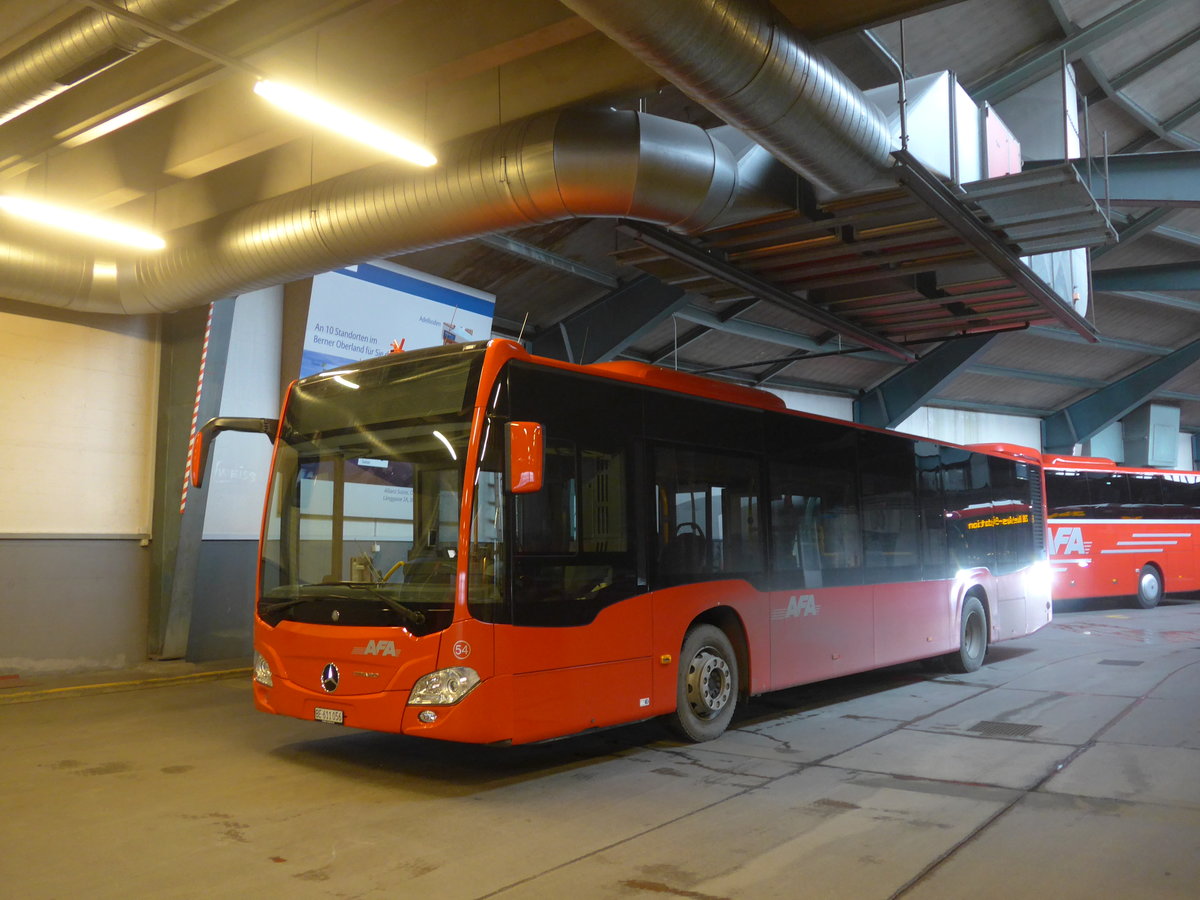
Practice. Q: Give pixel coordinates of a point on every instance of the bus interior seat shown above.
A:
(685, 554)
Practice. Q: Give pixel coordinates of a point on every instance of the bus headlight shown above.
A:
(262, 670)
(445, 687)
(1039, 578)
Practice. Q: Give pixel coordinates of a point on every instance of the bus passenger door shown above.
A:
(579, 645)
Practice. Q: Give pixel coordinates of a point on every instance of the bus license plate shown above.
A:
(330, 716)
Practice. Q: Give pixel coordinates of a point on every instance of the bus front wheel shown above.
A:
(707, 689)
(1150, 587)
(973, 634)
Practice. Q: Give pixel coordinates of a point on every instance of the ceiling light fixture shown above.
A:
(78, 222)
(319, 112)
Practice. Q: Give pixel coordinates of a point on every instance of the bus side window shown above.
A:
(891, 548)
(571, 553)
(546, 520)
(815, 525)
(707, 519)
(935, 549)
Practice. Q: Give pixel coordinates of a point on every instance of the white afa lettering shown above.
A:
(804, 605)
(377, 648)
(1068, 541)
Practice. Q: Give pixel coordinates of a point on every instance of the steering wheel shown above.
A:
(692, 527)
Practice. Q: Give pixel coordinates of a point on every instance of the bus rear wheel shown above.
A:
(1150, 587)
(707, 689)
(973, 643)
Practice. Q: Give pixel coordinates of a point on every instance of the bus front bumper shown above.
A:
(483, 716)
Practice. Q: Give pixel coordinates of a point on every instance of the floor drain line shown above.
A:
(1003, 729)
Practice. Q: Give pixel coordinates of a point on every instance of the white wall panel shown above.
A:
(77, 420)
(817, 404)
(963, 427)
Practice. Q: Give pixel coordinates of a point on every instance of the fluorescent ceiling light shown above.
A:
(319, 112)
(80, 223)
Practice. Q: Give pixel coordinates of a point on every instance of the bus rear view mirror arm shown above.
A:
(202, 439)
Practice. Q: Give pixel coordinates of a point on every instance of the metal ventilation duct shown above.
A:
(547, 168)
(746, 64)
(83, 45)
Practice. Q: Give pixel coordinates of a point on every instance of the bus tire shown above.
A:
(973, 638)
(707, 685)
(1150, 587)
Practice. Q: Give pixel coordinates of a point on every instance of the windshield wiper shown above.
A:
(337, 590)
(417, 618)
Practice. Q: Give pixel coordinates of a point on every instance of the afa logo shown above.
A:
(377, 648)
(1069, 541)
(804, 605)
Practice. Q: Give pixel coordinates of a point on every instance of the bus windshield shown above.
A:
(362, 519)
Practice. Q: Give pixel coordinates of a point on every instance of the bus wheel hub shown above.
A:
(708, 684)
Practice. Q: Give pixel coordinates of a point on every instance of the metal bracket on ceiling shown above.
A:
(950, 209)
(709, 263)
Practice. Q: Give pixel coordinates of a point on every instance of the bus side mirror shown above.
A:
(198, 458)
(525, 450)
(202, 439)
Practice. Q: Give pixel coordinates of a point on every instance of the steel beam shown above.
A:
(1149, 63)
(893, 401)
(601, 330)
(1057, 334)
(1134, 229)
(1168, 277)
(1171, 178)
(714, 265)
(1011, 80)
(179, 528)
(546, 258)
(766, 333)
(1089, 416)
(1161, 300)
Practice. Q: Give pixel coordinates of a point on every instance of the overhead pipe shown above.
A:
(544, 169)
(747, 64)
(84, 44)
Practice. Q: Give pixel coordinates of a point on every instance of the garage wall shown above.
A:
(77, 405)
(952, 425)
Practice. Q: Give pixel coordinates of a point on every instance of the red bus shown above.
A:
(1121, 532)
(474, 544)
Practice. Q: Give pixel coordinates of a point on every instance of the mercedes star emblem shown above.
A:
(329, 678)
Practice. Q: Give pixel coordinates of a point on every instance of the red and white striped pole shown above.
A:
(187, 466)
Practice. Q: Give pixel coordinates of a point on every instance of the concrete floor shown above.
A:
(1068, 767)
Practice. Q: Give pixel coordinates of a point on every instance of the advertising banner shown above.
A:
(367, 310)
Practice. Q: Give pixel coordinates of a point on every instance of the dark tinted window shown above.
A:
(571, 545)
(889, 508)
(707, 522)
(1122, 495)
(990, 515)
(816, 536)
(1181, 495)
(1145, 495)
(935, 552)
(1067, 495)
